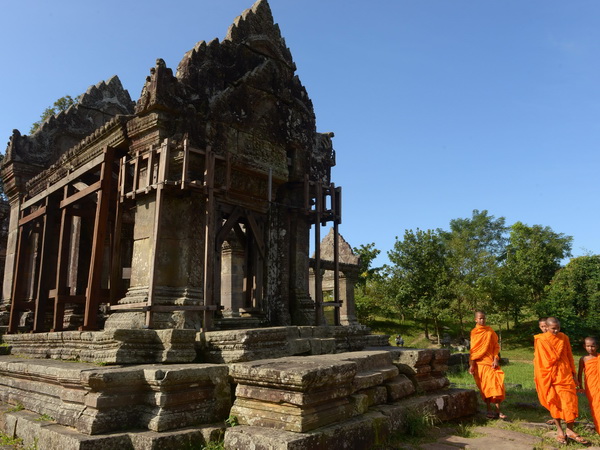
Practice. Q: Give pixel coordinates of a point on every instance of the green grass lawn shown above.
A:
(521, 404)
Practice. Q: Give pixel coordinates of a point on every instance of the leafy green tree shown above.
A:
(475, 247)
(370, 293)
(534, 254)
(62, 104)
(367, 254)
(419, 276)
(574, 297)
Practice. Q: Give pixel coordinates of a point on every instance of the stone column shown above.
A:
(177, 267)
(11, 251)
(301, 304)
(348, 280)
(232, 277)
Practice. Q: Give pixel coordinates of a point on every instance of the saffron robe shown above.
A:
(484, 348)
(555, 374)
(592, 388)
(536, 360)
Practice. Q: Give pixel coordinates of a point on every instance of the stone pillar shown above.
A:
(302, 305)
(177, 267)
(348, 280)
(232, 277)
(11, 252)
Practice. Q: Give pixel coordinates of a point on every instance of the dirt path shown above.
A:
(496, 437)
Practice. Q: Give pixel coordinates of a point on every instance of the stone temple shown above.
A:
(164, 246)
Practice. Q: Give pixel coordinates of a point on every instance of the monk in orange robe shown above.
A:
(590, 365)
(536, 359)
(555, 380)
(484, 365)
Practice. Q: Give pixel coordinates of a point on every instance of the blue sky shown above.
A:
(438, 107)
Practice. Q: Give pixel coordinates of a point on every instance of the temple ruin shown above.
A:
(177, 229)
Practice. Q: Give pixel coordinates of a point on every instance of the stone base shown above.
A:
(230, 346)
(97, 400)
(364, 431)
(108, 346)
(40, 432)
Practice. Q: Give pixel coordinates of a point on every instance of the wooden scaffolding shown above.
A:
(92, 199)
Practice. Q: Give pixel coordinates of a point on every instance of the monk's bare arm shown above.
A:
(496, 362)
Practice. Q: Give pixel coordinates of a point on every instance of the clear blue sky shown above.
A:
(438, 107)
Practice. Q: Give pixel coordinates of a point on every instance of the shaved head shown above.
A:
(553, 321)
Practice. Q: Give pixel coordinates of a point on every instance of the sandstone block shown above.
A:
(399, 387)
(290, 418)
(433, 383)
(360, 403)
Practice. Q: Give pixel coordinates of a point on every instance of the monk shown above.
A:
(556, 380)
(542, 324)
(484, 365)
(536, 363)
(590, 365)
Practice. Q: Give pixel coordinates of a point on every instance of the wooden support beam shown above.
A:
(162, 173)
(34, 215)
(318, 277)
(150, 168)
(231, 221)
(336, 271)
(93, 293)
(81, 194)
(65, 181)
(131, 306)
(257, 233)
(122, 177)
(209, 241)
(46, 267)
(19, 275)
(170, 308)
(116, 277)
(136, 173)
(185, 164)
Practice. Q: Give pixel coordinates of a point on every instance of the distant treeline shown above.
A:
(481, 263)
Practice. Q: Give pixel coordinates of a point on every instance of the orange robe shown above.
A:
(554, 376)
(484, 348)
(592, 388)
(536, 360)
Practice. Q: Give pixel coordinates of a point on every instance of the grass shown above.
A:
(521, 404)
(16, 443)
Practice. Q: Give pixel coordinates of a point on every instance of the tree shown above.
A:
(534, 254)
(367, 254)
(419, 275)
(574, 296)
(62, 104)
(370, 297)
(475, 247)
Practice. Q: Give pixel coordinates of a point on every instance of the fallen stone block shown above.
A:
(399, 387)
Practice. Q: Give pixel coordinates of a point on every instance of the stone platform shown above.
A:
(96, 400)
(143, 346)
(317, 401)
(363, 431)
(118, 346)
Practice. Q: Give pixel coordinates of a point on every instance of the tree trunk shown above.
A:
(437, 329)
(426, 329)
